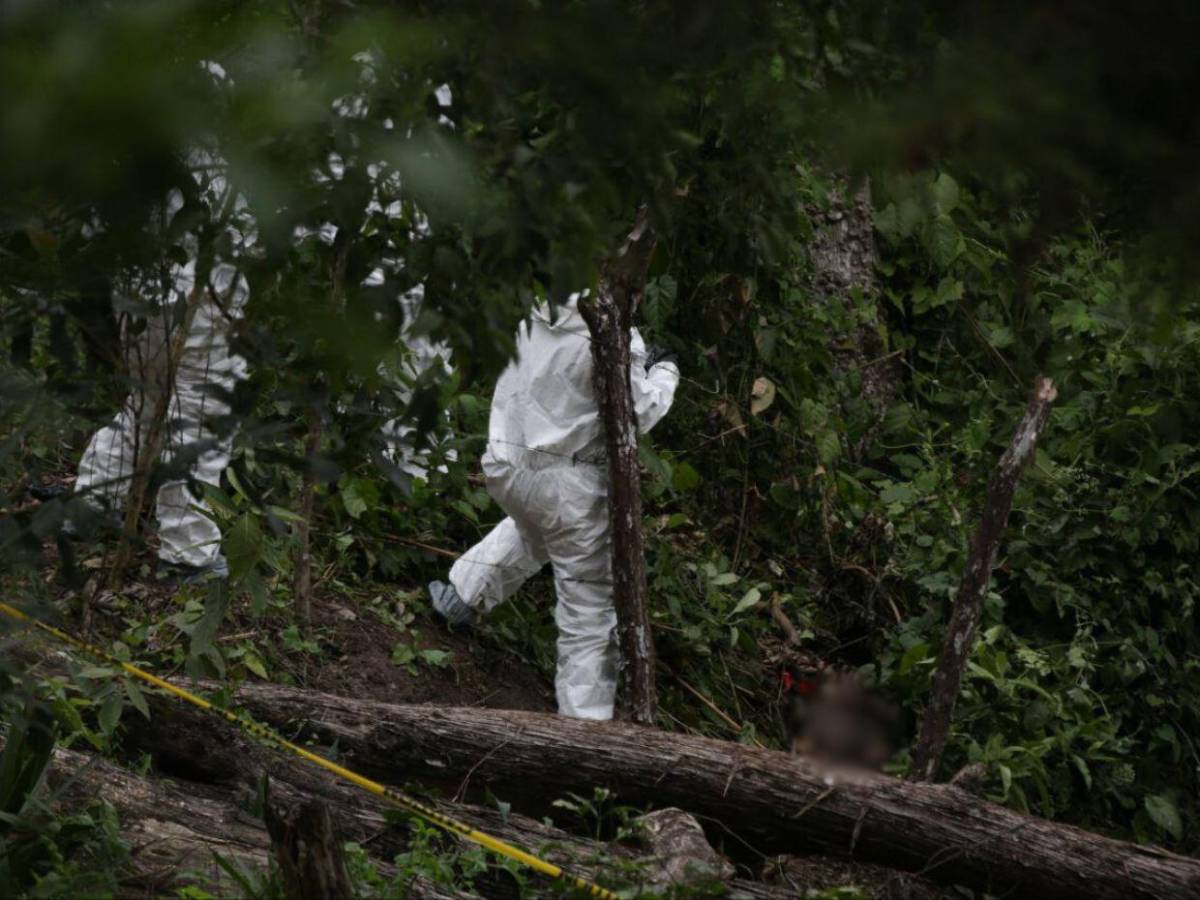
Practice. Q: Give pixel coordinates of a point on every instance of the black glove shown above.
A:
(656, 355)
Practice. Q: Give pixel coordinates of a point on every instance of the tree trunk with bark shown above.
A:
(968, 604)
(609, 317)
(773, 802)
(308, 852)
(844, 274)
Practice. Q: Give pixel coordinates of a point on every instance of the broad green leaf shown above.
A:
(136, 697)
(914, 655)
(829, 447)
(243, 546)
(1165, 815)
(901, 492)
(684, 477)
(255, 664)
(945, 194)
(110, 712)
(943, 241)
(439, 658)
(749, 599)
(358, 495)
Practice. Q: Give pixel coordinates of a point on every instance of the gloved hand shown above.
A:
(656, 354)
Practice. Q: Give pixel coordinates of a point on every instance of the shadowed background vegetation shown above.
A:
(1033, 182)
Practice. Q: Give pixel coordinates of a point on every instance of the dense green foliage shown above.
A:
(1029, 210)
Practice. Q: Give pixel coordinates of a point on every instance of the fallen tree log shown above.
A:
(775, 803)
(175, 829)
(188, 742)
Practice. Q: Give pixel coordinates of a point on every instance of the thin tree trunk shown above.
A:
(302, 575)
(968, 604)
(771, 801)
(302, 583)
(162, 373)
(609, 317)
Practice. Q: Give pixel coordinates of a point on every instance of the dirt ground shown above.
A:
(357, 662)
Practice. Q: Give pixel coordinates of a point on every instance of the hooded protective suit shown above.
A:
(204, 376)
(545, 466)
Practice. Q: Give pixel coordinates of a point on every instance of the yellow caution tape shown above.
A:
(265, 734)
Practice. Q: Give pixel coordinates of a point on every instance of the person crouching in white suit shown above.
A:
(198, 383)
(546, 467)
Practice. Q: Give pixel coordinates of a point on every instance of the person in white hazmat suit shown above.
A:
(198, 383)
(545, 465)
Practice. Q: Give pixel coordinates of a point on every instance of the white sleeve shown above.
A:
(654, 390)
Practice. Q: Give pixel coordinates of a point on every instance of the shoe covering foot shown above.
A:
(449, 605)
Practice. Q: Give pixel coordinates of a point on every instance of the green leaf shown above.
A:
(1163, 812)
(749, 599)
(243, 546)
(97, 672)
(829, 447)
(439, 658)
(403, 654)
(1082, 767)
(813, 415)
(358, 495)
(136, 697)
(684, 477)
(723, 580)
(252, 662)
(902, 492)
(943, 241)
(914, 655)
(215, 605)
(659, 301)
(945, 194)
(110, 712)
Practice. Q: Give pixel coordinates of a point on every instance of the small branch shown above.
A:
(785, 624)
(717, 711)
(968, 604)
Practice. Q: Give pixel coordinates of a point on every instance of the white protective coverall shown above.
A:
(545, 465)
(205, 374)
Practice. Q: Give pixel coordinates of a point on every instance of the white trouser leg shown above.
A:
(567, 508)
(581, 552)
(495, 568)
(108, 462)
(186, 531)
